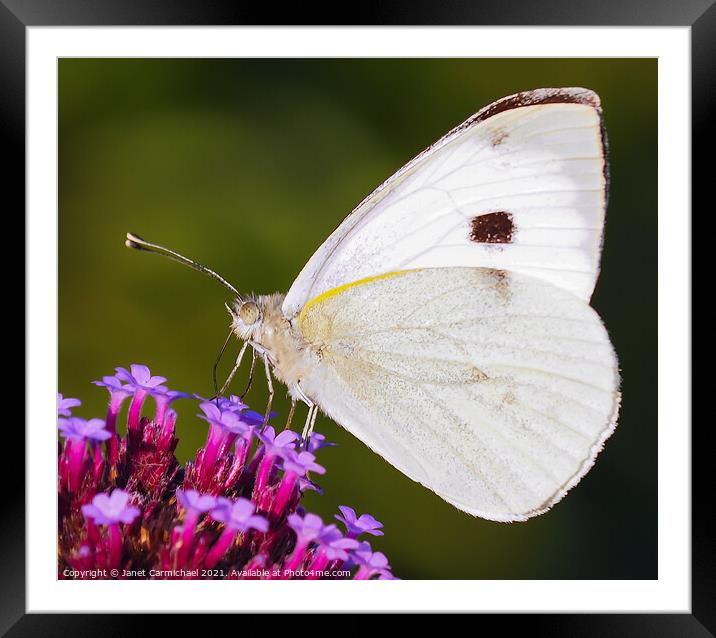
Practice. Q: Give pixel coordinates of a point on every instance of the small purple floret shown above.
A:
(356, 525)
(318, 441)
(238, 514)
(79, 429)
(307, 528)
(64, 405)
(193, 500)
(140, 378)
(300, 462)
(274, 443)
(232, 403)
(227, 420)
(365, 555)
(334, 544)
(115, 387)
(111, 509)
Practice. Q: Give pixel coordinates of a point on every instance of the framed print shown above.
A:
(474, 387)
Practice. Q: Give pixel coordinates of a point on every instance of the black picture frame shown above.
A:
(700, 15)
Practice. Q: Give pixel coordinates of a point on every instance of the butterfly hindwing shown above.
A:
(495, 390)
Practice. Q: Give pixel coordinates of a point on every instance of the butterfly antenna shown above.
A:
(136, 242)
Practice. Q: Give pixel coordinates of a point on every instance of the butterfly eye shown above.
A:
(249, 313)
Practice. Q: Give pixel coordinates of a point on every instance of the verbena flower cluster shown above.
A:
(129, 509)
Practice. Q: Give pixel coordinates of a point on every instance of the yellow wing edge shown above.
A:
(339, 289)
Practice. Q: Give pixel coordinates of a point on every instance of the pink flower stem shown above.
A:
(199, 552)
(364, 573)
(219, 548)
(262, 474)
(135, 410)
(134, 421)
(318, 564)
(211, 452)
(226, 443)
(76, 461)
(295, 559)
(284, 492)
(115, 404)
(258, 457)
(256, 563)
(93, 535)
(187, 536)
(115, 546)
(167, 432)
(162, 405)
(236, 465)
(98, 463)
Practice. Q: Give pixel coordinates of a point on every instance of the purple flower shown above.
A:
(140, 378)
(115, 387)
(111, 509)
(238, 514)
(164, 400)
(317, 441)
(251, 417)
(237, 406)
(78, 429)
(64, 405)
(295, 465)
(195, 504)
(275, 444)
(307, 528)
(227, 420)
(305, 484)
(371, 563)
(117, 395)
(300, 462)
(364, 524)
(193, 500)
(334, 544)
(172, 395)
(232, 403)
(192, 517)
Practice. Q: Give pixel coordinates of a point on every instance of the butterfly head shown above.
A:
(258, 318)
(247, 317)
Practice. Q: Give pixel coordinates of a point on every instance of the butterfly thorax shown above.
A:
(260, 321)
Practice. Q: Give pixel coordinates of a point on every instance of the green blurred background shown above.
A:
(247, 166)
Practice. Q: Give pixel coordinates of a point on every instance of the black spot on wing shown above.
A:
(492, 228)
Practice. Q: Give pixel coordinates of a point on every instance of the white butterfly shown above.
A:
(445, 322)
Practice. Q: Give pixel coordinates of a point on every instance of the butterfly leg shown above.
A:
(308, 427)
(251, 375)
(290, 414)
(216, 364)
(270, 390)
(235, 368)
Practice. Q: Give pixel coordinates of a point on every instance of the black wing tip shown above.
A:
(536, 97)
(563, 95)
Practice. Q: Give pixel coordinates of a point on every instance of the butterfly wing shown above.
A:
(495, 390)
(520, 186)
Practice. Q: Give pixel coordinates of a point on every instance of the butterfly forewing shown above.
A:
(520, 186)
